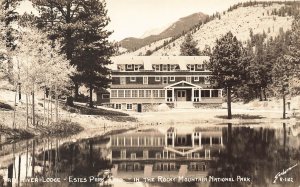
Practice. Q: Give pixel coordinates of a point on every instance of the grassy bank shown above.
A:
(60, 129)
(107, 114)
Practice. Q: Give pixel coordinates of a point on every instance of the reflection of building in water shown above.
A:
(175, 153)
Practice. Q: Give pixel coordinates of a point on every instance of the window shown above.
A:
(120, 93)
(129, 66)
(188, 79)
(114, 93)
(172, 167)
(148, 93)
(155, 93)
(206, 80)
(172, 155)
(123, 153)
(136, 67)
(201, 80)
(215, 93)
(165, 80)
(145, 80)
(145, 154)
(172, 79)
(129, 106)
(157, 79)
(196, 79)
(141, 93)
(133, 155)
(165, 67)
(132, 79)
(118, 106)
(162, 93)
(157, 155)
(122, 80)
(121, 67)
(134, 93)
(205, 93)
(157, 67)
(192, 67)
(196, 155)
(105, 96)
(199, 66)
(127, 93)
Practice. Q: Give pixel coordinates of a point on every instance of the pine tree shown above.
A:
(79, 23)
(227, 65)
(189, 46)
(93, 51)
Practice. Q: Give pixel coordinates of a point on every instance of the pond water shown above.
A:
(224, 155)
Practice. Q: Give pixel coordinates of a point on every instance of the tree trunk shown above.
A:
(265, 95)
(76, 92)
(284, 109)
(44, 106)
(51, 119)
(91, 96)
(27, 112)
(229, 102)
(33, 115)
(15, 108)
(56, 104)
(260, 94)
(48, 110)
(33, 158)
(20, 94)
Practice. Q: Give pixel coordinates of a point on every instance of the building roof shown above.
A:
(148, 61)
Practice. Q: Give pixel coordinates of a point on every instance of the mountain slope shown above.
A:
(183, 24)
(239, 22)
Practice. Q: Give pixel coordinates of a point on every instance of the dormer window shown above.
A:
(157, 67)
(136, 67)
(165, 67)
(129, 66)
(199, 66)
(192, 67)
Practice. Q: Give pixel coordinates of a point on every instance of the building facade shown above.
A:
(152, 153)
(140, 82)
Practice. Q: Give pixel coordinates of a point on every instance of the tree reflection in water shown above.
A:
(82, 159)
(256, 153)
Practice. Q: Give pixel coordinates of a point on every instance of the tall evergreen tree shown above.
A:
(93, 51)
(79, 23)
(189, 46)
(227, 65)
(286, 69)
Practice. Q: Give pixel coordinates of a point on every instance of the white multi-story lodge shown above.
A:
(139, 82)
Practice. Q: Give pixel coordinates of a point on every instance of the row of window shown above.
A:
(163, 67)
(119, 106)
(137, 141)
(137, 93)
(194, 166)
(166, 80)
(165, 155)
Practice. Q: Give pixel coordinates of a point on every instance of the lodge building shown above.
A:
(152, 153)
(139, 82)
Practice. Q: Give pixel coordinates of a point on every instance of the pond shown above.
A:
(222, 155)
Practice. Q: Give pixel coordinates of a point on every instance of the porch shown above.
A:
(187, 92)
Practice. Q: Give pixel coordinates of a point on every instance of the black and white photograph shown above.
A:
(149, 93)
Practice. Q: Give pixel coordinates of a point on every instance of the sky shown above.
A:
(132, 18)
